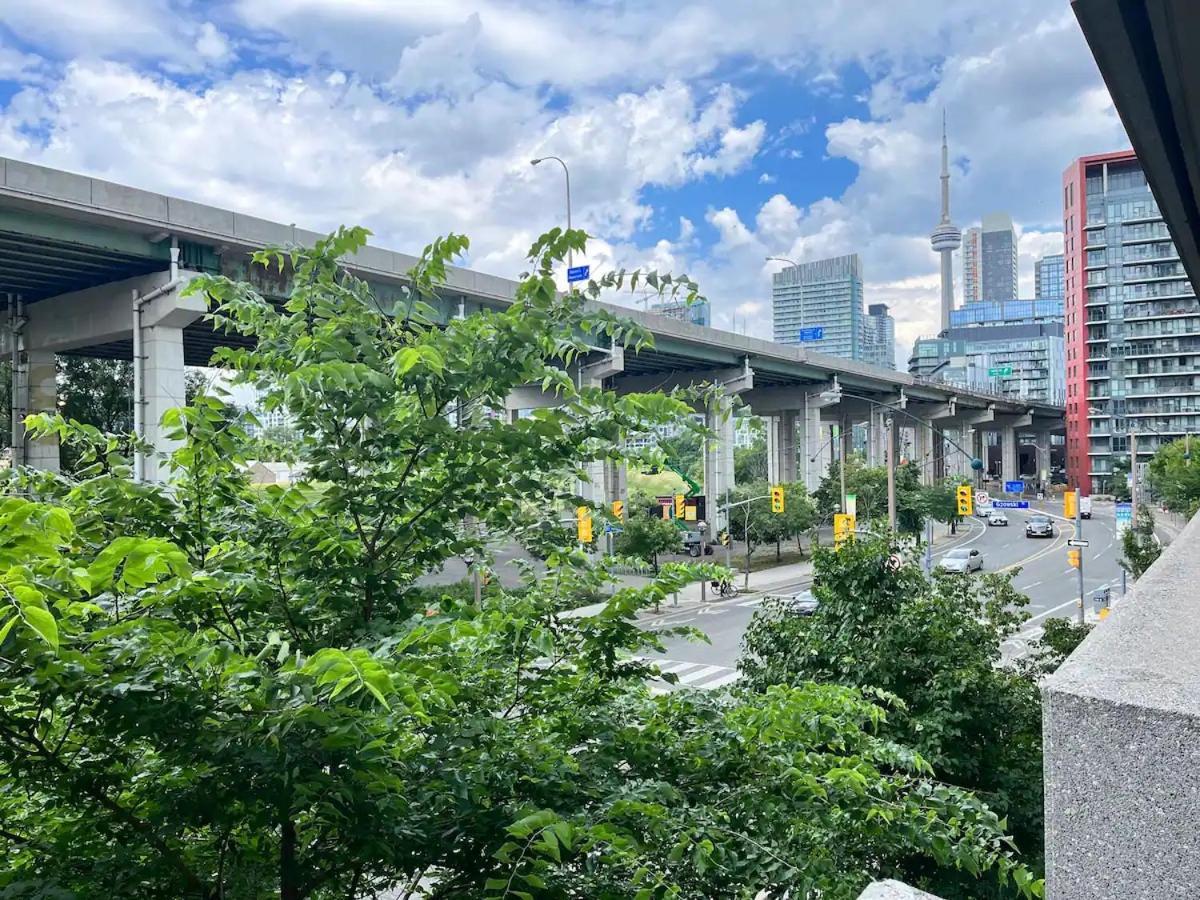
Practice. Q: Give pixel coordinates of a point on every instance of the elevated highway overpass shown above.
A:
(75, 251)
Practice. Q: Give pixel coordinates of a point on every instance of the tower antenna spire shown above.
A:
(946, 237)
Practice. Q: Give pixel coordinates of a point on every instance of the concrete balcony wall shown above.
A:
(1121, 721)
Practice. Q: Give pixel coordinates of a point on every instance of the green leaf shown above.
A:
(42, 622)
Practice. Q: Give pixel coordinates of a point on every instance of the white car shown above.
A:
(997, 518)
(961, 561)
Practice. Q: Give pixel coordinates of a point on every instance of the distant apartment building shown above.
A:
(1013, 348)
(820, 305)
(1048, 277)
(879, 337)
(1132, 321)
(698, 313)
(972, 284)
(998, 258)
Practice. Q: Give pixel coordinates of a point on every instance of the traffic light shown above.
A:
(724, 539)
(680, 506)
(1074, 557)
(962, 494)
(1070, 504)
(843, 528)
(583, 524)
(777, 498)
(618, 509)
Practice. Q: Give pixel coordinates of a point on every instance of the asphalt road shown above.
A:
(1043, 575)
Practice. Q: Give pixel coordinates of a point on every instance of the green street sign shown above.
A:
(1000, 370)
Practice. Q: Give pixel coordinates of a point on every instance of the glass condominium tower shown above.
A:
(825, 294)
(1132, 322)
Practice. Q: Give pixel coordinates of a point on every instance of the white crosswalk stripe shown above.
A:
(690, 674)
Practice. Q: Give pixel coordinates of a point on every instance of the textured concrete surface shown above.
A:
(1121, 721)
(893, 890)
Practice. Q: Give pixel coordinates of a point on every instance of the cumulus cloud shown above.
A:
(421, 118)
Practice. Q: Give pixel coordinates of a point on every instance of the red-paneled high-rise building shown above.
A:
(1132, 322)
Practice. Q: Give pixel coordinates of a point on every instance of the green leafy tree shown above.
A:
(1175, 477)
(1139, 544)
(646, 536)
(215, 691)
(869, 485)
(934, 645)
(1118, 482)
(750, 462)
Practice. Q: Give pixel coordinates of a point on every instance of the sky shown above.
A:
(701, 137)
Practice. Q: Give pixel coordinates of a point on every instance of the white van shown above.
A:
(1085, 507)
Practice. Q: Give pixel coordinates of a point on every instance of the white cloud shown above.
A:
(417, 118)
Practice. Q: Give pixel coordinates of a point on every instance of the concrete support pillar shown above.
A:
(772, 426)
(1042, 457)
(781, 448)
(845, 440)
(718, 457)
(923, 452)
(814, 445)
(162, 389)
(1009, 465)
(616, 481)
(938, 461)
(40, 395)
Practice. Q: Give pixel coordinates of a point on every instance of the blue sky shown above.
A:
(701, 137)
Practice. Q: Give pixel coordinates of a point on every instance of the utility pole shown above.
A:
(1079, 534)
(842, 460)
(890, 437)
(1133, 479)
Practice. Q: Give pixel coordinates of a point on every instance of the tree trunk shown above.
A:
(778, 551)
(289, 872)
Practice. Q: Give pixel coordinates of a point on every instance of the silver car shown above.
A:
(802, 603)
(961, 561)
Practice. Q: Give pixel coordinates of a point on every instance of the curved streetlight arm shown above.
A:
(567, 174)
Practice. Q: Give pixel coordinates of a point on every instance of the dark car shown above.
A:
(1039, 526)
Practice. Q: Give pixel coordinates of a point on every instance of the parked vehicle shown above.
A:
(692, 544)
(1085, 507)
(961, 561)
(997, 518)
(1039, 526)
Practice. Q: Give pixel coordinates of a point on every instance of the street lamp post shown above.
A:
(567, 174)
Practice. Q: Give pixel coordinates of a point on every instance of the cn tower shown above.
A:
(947, 237)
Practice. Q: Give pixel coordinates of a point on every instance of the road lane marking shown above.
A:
(702, 674)
(723, 680)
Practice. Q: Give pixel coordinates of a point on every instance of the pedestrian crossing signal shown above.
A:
(583, 524)
(1074, 557)
(777, 498)
(962, 495)
(724, 539)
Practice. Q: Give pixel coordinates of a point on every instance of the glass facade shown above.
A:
(1014, 349)
(1133, 322)
(1048, 277)
(970, 261)
(879, 337)
(826, 294)
(998, 258)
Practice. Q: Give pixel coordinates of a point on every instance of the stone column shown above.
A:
(923, 452)
(616, 481)
(162, 389)
(785, 443)
(938, 462)
(38, 393)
